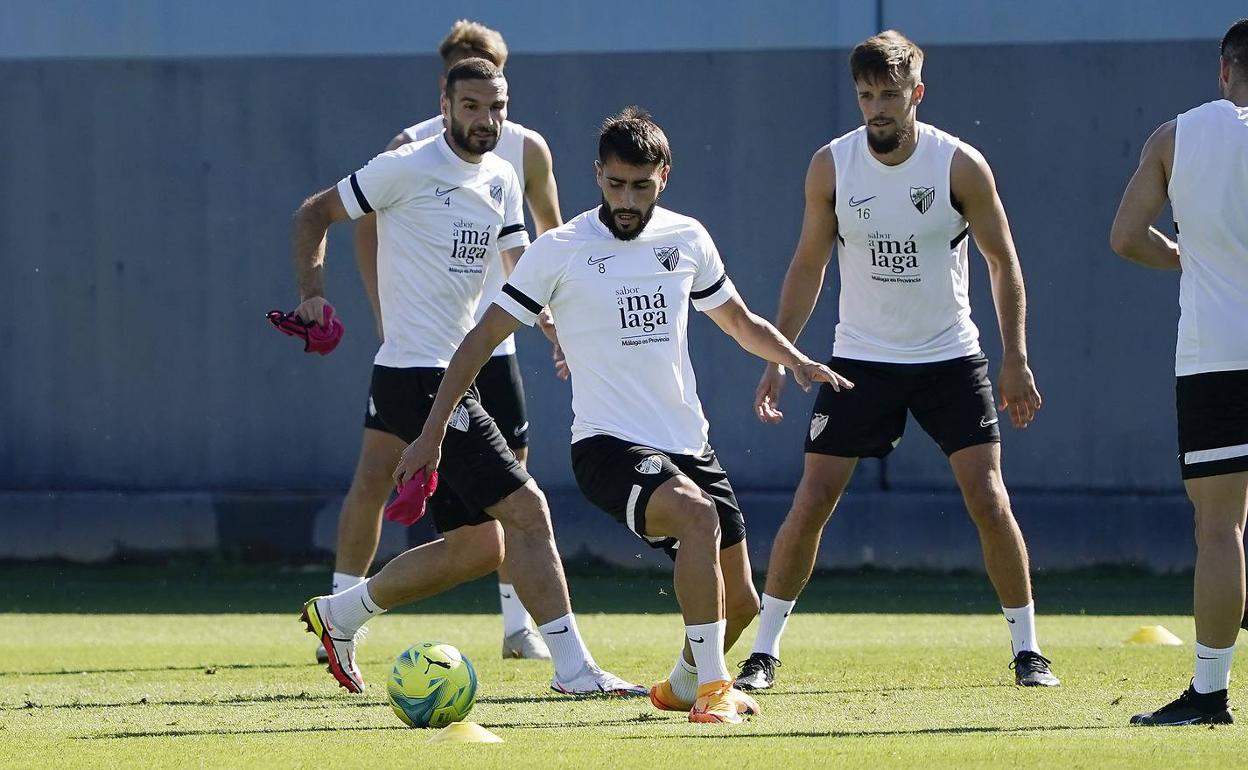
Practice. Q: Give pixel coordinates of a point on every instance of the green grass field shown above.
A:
(209, 666)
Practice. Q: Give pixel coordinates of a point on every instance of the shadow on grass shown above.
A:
(207, 669)
(893, 733)
(242, 700)
(297, 700)
(642, 718)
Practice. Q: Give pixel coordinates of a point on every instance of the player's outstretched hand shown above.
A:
(312, 310)
(767, 396)
(1018, 393)
(422, 454)
(812, 371)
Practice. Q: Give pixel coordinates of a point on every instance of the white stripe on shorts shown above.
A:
(630, 512)
(1210, 455)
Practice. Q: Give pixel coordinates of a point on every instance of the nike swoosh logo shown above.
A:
(438, 191)
(506, 596)
(984, 423)
(1202, 657)
(596, 260)
(365, 606)
(853, 204)
(1010, 620)
(699, 640)
(563, 630)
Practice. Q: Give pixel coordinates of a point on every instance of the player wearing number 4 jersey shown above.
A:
(1199, 162)
(433, 257)
(499, 388)
(898, 198)
(618, 280)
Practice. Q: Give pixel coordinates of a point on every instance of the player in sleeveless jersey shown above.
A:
(499, 386)
(898, 198)
(1199, 163)
(431, 259)
(618, 280)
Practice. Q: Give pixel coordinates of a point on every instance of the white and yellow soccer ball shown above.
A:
(432, 685)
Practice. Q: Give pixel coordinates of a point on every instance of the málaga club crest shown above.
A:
(922, 198)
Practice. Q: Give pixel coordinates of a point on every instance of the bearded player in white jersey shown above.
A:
(898, 197)
(446, 207)
(499, 385)
(618, 281)
(1199, 163)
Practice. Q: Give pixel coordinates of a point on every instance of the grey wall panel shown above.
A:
(144, 231)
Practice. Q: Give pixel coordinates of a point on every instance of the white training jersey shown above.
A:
(904, 288)
(511, 149)
(440, 221)
(622, 311)
(1209, 194)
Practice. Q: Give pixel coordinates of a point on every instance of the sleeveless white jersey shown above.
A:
(511, 149)
(440, 221)
(902, 254)
(1209, 194)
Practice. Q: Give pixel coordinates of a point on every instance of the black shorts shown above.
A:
(1213, 423)
(502, 394)
(951, 400)
(477, 468)
(619, 477)
(499, 389)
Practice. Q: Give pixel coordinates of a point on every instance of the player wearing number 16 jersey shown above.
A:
(898, 199)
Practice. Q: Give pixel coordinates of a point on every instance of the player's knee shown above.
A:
(524, 510)
(699, 519)
(812, 507)
(1213, 528)
(988, 505)
(742, 608)
(478, 550)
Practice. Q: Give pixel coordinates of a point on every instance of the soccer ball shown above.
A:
(431, 685)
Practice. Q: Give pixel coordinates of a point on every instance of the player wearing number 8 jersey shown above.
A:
(618, 280)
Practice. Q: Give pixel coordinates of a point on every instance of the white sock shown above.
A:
(515, 616)
(1213, 668)
(345, 580)
(1022, 622)
(567, 648)
(772, 616)
(707, 642)
(684, 679)
(351, 609)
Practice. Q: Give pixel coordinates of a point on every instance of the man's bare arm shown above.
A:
(311, 223)
(755, 335)
(425, 452)
(804, 278)
(1133, 235)
(540, 189)
(975, 190)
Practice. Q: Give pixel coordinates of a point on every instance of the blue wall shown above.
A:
(144, 231)
(155, 151)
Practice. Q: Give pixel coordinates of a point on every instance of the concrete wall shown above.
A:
(144, 231)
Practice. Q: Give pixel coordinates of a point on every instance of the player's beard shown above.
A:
(625, 235)
(889, 142)
(473, 143)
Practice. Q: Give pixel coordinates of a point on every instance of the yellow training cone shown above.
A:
(1154, 635)
(464, 732)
